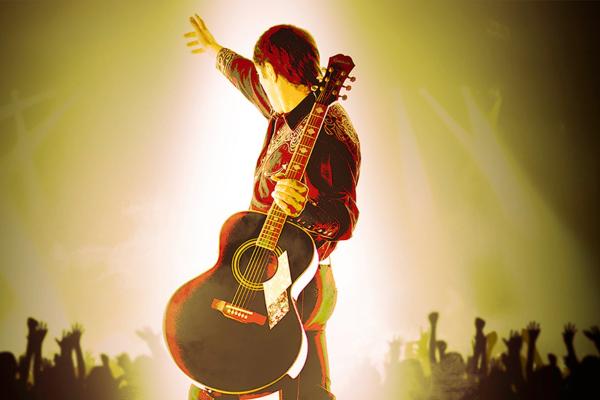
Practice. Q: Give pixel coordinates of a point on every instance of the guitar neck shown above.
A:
(269, 235)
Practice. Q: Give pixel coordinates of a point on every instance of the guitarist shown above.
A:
(278, 82)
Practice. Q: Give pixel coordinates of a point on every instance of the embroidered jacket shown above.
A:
(332, 172)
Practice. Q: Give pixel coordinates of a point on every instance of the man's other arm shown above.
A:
(239, 70)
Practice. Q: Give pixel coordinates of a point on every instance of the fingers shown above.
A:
(291, 183)
(289, 191)
(286, 209)
(289, 194)
(198, 23)
(287, 199)
(195, 23)
(202, 24)
(190, 35)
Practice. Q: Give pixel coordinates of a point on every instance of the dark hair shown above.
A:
(291, 51)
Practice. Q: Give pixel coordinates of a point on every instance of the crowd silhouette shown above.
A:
(426, 370)
(70, 377)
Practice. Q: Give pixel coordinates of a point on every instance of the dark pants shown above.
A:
(315, 304)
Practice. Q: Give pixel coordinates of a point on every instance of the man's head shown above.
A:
(286, 51)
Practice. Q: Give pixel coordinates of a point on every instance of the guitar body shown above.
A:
(228, 354)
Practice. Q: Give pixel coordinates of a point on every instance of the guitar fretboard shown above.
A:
(269, 235)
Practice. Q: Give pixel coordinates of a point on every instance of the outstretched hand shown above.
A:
(75, 336)
(433, 317)
(514, 342)
(593, 334)
(533, 331)
(64, 343)
(37, 335)
(203, 39)
(32, 323)
(70, 339)
(148, 336)
(569, 333)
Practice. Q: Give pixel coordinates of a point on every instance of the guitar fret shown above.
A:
(268, 235)
(266, 238)
(273, 225)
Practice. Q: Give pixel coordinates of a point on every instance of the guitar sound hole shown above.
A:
(258, 264)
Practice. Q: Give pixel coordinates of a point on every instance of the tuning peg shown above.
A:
(347, 87)
(352, 78)
(344, 97)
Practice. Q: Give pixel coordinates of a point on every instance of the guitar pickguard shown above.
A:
(275, 289)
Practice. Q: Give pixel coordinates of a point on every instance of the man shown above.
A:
(278, 82)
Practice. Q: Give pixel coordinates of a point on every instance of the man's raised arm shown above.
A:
(239, 70)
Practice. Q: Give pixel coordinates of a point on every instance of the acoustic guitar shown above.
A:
(235, 329)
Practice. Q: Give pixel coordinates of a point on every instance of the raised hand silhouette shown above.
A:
(75, 335)
(479, 324)
(478, 362)
(512, 360)
(568, 335)
(74, 341)
(513, 343)
(441, 346)
(395, 345)
(37, 335)
(433, 317)
(594, 335)
(105, 360)
(533, 331)
(64, 343)
(31, 324)
(569, 332)
(152, 339)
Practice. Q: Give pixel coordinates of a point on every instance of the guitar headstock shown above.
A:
(333, 81)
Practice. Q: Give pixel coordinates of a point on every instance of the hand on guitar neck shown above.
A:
(290, 195)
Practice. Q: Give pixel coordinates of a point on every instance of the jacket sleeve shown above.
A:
(332, 174)
(241, 72)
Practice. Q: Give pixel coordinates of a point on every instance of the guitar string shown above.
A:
(254, 270)
(257, 270)
(261, 264)
(248, 293)
(253, 274)
(253, 265)
(241, 287)
(260, 268)
(239, 293)
(249, 273)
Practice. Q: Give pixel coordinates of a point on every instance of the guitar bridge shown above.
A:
(237, 313)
